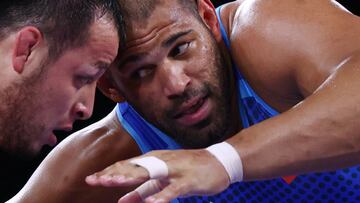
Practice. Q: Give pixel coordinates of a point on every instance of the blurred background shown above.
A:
(14, 172)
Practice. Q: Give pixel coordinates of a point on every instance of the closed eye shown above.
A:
(85, 80)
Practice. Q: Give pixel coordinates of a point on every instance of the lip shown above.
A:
(194, 111)
(186, 106)
(51, 140)
(66, 127)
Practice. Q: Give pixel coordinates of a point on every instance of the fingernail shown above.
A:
(90, 178)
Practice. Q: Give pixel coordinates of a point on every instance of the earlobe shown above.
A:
(115, 96)
(25, 41)
(208, 14)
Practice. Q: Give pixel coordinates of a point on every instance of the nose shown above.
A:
(83, 108)
(82, 112)
(174, 80)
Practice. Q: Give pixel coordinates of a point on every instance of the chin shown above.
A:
(33, 149)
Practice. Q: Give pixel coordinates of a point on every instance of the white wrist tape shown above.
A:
(156, 167)
(229, 158)
(148, 188)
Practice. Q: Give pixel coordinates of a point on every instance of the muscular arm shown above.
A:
(61, 176)
(321, 133)
(321, 55)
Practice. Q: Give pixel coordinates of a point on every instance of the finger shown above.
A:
(149, 188)
(138, 169)
(121, 173)
(143, 191)
(131, 197)
(111, 181)
(170, 192)
(156, 167)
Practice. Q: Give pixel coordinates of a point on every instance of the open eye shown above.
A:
(143, 72)
(179, 49)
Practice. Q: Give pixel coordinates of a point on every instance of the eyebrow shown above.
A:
(102, 65)
(131, 59)
(170, 40)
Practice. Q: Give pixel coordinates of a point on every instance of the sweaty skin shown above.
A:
(301, 57)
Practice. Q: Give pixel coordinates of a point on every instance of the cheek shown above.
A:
(148, 103)
(59, 89)
(144, 94)
(148, 99)
(200, 65)
(210, 69)
(203, 73)
(60, 98)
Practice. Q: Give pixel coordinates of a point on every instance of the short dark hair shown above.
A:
(65, 24)
(138, 10)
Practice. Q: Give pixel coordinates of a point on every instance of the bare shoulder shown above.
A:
(290, 46)
(61, 176)
(288, 23)
(293, 26)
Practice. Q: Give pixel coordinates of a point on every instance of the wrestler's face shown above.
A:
(56, 93)
(173, 74)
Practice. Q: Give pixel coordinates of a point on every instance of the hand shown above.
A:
(191, 172)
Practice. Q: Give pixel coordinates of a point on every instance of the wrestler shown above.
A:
(278, 68)
(50, 62)
(51, 55)
(202, 83)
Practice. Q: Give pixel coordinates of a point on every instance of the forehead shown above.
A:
(166, 13)
(99, 50)
(103, 29)
(103, 38)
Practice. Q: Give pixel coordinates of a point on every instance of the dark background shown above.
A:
(14, 172)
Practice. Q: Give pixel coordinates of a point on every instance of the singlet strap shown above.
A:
(222, 28)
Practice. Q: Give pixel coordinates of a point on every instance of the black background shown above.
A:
(14, 172)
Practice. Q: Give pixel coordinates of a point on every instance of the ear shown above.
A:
(26, 39)
(208, 14)
(106, 86)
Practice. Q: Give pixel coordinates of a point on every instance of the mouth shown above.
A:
(52, 138)
(193, 111)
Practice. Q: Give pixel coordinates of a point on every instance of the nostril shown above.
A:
(80, 114)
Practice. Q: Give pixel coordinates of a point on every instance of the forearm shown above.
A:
(321, 133)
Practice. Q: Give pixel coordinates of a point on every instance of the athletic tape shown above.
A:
(229, 158)
(156, 167)
(148, 188)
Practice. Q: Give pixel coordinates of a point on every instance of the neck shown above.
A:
(235, 121)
